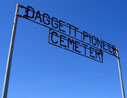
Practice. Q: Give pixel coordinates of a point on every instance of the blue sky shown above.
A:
(41, 70)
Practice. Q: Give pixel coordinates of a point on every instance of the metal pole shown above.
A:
(120, 74)
(8, 66)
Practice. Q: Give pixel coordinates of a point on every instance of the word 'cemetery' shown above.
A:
(67, 36)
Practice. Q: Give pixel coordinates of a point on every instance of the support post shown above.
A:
(8, 66)
(120, 74)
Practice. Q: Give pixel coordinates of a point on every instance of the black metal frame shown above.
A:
(66, 25)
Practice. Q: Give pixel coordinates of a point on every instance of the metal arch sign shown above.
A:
(68, 36)
(63, 35)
